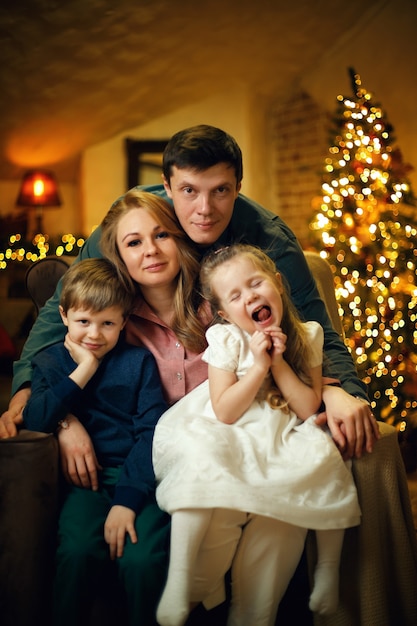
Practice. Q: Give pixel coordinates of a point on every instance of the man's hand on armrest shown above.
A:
(13, 417)
(350, 420)
(78, 458)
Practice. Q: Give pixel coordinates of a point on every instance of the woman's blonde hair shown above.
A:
(186, 324)
(297, 348)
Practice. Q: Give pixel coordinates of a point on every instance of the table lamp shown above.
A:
(38, 190)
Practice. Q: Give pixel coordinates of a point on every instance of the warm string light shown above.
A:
(39, 248)
(363, 229)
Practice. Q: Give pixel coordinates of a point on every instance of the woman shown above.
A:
(141, 236)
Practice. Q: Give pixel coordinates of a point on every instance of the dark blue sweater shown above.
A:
(119, 408)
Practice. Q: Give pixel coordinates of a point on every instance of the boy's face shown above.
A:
(97, 332)
(203, 201)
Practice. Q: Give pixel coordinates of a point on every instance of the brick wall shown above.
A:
(300, 137)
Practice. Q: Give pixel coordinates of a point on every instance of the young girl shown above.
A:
(275, 474)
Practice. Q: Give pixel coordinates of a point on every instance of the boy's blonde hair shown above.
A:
(94, 285)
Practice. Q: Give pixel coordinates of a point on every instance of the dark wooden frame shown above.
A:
(135, 150)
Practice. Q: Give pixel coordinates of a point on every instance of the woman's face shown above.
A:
(148, 251)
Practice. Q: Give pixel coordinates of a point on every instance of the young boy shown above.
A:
(114, 390)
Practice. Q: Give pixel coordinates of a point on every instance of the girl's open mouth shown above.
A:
(262, 314)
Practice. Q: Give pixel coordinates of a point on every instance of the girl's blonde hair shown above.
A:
(297, 348)
(186, 324)
(94, 285)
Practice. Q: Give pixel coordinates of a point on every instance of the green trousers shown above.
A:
(83, 566)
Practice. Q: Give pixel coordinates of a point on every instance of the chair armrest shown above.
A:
(378, 572)
(28, 517)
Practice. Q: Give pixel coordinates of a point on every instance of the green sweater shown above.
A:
(251, 224)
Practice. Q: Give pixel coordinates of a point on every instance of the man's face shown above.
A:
(203, 201)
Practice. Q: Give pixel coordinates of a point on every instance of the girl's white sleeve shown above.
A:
(223, 348)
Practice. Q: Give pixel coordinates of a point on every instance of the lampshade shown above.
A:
(38, 189)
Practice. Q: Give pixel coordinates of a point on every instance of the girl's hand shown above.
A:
(260, 345)
(278, 343)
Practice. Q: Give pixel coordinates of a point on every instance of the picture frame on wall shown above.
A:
(144, 161)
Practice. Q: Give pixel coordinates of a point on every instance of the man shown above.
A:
(202, 174)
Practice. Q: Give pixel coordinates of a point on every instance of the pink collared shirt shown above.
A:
(180, 370)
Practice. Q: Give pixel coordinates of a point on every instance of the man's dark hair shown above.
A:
(201, 147)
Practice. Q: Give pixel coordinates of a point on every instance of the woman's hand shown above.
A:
(78, 458)
(119, 522)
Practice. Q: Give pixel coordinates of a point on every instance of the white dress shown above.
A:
(269, 462)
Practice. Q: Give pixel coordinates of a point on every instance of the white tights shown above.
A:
(325, 595)
(263, 554)
(188, 528)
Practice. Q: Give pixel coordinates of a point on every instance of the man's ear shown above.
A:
(279, 282)
(167, 186)
(63, 315)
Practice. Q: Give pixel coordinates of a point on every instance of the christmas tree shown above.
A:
(364, 224)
